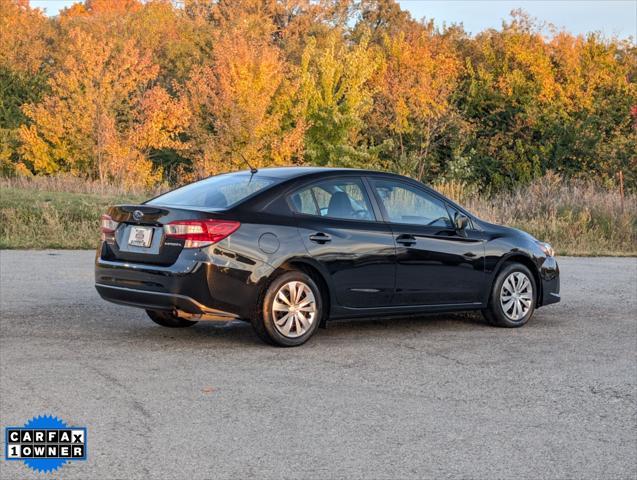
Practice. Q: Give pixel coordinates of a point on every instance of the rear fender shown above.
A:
(312, 267)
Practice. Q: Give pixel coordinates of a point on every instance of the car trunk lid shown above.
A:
(139, 233)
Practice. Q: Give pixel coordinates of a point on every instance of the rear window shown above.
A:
(221, 191)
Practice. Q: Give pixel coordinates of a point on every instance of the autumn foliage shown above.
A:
(139, 93)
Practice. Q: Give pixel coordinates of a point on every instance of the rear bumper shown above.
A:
(157, 301)
(208, 281)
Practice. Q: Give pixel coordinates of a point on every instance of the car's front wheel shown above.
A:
(168, 319)
(291, 310)
(512, 300)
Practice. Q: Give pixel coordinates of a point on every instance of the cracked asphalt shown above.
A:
(441, 396)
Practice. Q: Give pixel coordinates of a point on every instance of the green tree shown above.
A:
(335, 94)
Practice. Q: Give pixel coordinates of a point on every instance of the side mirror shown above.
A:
(460, 221)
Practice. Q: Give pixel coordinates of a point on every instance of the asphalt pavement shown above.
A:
(442, 396)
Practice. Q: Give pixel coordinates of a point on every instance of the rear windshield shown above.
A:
(221, 191)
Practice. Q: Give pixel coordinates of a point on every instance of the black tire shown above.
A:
(168, 319)
(495, 313)
(263, 321)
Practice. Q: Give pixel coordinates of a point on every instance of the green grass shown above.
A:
(31, 218)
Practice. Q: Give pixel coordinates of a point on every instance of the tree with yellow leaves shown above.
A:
(142, 91)
(24, 37)
(561, 104)
(102, 117)
(335, 94)
(414, 99)
(242, 108)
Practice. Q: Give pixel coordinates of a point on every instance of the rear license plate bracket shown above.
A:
(141, 236)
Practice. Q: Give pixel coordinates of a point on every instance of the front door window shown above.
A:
(408, 205)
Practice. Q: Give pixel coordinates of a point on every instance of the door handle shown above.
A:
(320, 238)
(406, 239)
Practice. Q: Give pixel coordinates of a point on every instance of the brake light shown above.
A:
(200, 233)
(108, 227)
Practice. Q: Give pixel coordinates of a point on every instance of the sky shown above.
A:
(610, 17)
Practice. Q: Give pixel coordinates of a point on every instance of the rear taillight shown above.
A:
(200, 233)
(108, 227)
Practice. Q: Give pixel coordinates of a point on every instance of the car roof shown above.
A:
(294, 172)
(285, 174)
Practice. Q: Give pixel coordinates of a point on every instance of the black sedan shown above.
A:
(290, 248)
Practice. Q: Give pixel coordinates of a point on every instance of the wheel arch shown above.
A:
(314, 271)
(527, 261)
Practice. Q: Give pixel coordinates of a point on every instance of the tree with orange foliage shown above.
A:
(539, 105)
(414, 107)
(123, 89)
(175, 40)
(241, 107)
(24, 36)
(102, 117)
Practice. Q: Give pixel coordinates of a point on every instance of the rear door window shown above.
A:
(343, 198)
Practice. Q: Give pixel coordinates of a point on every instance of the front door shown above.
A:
(340, 229)
(435, 264)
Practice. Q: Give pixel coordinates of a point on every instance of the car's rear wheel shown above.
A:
(512, 300)
(168, 319)
(291, 310)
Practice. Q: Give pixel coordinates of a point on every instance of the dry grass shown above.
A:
(70, 184)
(35, 215)
(578, 218)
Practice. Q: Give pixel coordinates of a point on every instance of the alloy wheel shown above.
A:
(294, 309)
(516, 296)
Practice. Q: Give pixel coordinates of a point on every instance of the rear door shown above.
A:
(435, 264)
(341, 229)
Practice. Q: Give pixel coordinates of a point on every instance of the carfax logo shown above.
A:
(45, 443)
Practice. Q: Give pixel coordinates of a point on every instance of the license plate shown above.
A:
(140, 236)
